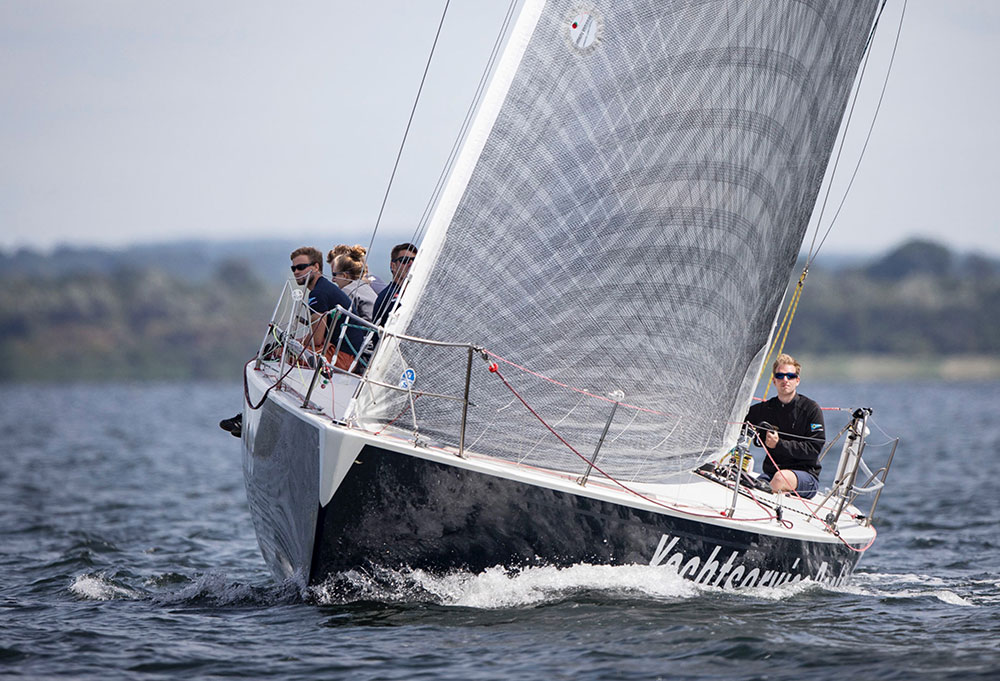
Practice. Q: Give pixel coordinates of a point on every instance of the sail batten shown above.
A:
(627, 221)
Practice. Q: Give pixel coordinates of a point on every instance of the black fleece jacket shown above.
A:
(801, 434)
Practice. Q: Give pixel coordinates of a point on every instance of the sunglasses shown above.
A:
(403, 259)
(302, 266)
(790, 376)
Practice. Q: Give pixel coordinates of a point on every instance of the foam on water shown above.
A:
(779, 593)
(499, 587)
(888, 579)
(99, 587)
(888, 585)
(495, 588)
(952, 598)
(212, 588)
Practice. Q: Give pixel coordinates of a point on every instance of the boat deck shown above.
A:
(685, 494)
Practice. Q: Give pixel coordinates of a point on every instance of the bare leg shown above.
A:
(784, 481)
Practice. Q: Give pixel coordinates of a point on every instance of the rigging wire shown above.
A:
(786, 323)
(870, 129)
(493, 369)
(421, 227)
(422, 222)
(847, 124)
(814, 248)
(406, 132)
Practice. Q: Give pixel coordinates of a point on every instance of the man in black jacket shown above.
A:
(790, 428)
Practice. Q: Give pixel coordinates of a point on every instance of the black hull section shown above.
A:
(281, 470)
(399, 511)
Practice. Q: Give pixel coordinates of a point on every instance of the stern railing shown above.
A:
(846, 489)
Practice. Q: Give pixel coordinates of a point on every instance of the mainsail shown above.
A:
(625, 216)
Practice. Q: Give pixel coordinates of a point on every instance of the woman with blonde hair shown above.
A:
(359, 253)
(347, 270)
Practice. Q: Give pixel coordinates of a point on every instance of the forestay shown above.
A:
(625, 215)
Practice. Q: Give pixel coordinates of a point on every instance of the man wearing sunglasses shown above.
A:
(402, 256)
(790, 428)
(324, 295)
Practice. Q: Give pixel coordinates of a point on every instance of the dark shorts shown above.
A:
(806, 484)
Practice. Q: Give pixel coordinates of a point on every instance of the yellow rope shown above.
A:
(783, 329)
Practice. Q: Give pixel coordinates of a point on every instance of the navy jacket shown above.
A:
(324, 297)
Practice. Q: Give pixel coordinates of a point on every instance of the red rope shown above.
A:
(398, 416)
(494, 369)
(788, 524)
(576, 390)
(812, 511)
(604, 397)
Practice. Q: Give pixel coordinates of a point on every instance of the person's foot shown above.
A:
(234, 425)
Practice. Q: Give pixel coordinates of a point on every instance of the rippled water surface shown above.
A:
(127, 551)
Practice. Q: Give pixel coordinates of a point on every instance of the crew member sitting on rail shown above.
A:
(400, 258)
(324, 296)
(307, 267)
(790, 428)
(347, 272)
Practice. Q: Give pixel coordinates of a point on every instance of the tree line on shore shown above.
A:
(918, 300)
(139, 323)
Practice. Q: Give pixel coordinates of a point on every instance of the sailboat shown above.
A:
(565, 377)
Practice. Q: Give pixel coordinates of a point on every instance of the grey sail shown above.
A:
(630, 209)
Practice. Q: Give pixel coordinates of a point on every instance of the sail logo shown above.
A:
(732, 573)
(585, 29)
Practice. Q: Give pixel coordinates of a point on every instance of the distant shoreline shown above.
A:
(869, 367)
(854, 368)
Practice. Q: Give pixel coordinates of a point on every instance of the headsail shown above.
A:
(627, 212)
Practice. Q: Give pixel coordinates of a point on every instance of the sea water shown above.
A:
(127, 551)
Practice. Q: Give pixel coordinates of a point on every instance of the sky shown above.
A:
(125, 121)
